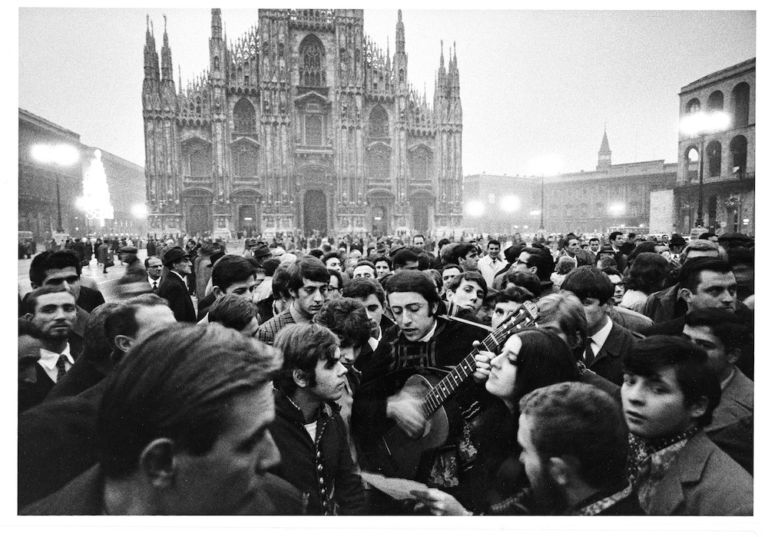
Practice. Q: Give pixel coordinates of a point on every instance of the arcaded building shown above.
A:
(728, 190)
(303, 123)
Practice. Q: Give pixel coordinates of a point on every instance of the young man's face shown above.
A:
(654, 407)
(595, 313)
(448, 275)
(594, 245)
(66, 276)
(493, 250)
(717, 357)
(310, 297)
(334, 288)
(412, 314)
(573, 246)
(469, 262)
(244, 288)
(618, 287)
(373, 308)
(348, 355)
(418, 241)
(715, 290)
(329, 378)
(468, 295)
(55, 315)
(502, 311)
(521, 265)
(381, 269)
(333, 263)
(618, 242)
(363, 271)
(225, 480)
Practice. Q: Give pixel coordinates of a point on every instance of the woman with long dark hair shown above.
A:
(530, 359)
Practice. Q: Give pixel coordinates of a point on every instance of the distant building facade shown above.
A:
(302, 124)
(613, 196)
(37, 200)
(728, 194)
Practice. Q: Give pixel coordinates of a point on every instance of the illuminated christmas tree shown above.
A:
(95, 199)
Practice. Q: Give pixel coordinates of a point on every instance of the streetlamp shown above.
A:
(58, 155)
(698, 125)
(545, 166)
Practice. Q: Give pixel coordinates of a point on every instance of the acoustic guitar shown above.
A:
(399, 455)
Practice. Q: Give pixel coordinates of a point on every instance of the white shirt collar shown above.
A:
(598, 339)
(48, 360)
(431, 332)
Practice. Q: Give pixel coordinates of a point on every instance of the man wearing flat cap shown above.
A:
(174, 286)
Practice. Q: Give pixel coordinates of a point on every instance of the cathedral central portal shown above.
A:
(315, 212)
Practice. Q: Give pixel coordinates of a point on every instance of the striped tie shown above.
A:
(61, 368)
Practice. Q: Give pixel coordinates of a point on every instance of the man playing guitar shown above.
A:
(428, 346)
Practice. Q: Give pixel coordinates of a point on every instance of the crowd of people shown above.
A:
(561, 375)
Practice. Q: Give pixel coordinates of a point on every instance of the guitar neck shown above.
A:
(441, 391)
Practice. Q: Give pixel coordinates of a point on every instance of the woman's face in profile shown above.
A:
(501, 381)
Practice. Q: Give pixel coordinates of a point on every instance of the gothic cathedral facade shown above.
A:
(302, 124)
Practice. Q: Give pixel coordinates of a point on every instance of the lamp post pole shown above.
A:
(541, 220)
(700, 211)
(59, 227)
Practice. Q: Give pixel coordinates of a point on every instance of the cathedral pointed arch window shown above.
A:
(313, 127)
(199, 163)
(379, 123)
(244, 161)
(378, 164)
(312, 62)
(420, 164)
(244, 116)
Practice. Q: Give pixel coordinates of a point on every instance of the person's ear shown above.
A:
(698, 408)
(733, 356)
(123, 342)
(685, 294)
(300, 378)
(559, 471)
(157, 462)
(449, 294)
(533, 269)
(217, 292)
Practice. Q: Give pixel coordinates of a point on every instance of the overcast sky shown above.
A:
(533, 83)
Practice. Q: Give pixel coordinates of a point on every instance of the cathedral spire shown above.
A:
(604, 155)
(400, 34)
(150, 54)
(216, 23)
(167, 62)
(442, 60)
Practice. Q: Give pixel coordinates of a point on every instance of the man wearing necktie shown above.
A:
(53, 314)
(154, 270)
(608, 343)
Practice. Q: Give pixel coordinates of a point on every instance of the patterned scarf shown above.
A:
(649, 461)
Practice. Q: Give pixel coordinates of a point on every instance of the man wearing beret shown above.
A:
(174, 286)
